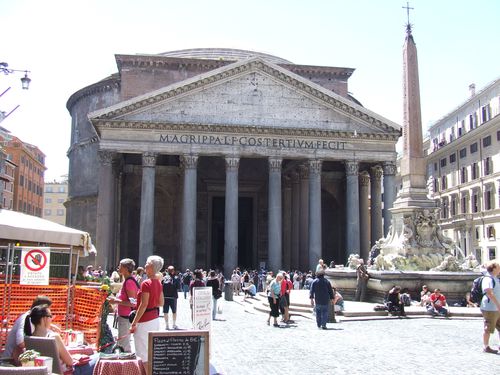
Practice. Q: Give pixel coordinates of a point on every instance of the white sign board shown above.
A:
(202, 308)
(35, 262)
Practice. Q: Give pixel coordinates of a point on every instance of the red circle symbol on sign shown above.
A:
(35, 260)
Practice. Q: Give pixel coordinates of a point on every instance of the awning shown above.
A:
(16, 226)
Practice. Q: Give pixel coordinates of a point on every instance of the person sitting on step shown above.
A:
(394, 304)
(250, 290)
(437, 304)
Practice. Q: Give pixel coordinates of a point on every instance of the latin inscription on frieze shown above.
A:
(246, 141)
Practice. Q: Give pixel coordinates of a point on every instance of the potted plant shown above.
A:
(28, 358)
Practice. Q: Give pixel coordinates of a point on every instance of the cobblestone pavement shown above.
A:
(242, 343)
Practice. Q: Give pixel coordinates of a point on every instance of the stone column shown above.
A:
(304, 218)
(147, 222)
(364, 222)
(468, 242)
(376, 203)
(274, 212)
(352, 207)
(231, 216)
(287, 222)
(295, 218)
(389, 193)
(188, 234)
(314, 212)
(105, 209)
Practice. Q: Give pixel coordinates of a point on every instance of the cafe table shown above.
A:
(119, 367)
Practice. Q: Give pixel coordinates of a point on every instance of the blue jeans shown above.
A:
(87, 369)
(185, 289)
(321, 315)
(440, 311)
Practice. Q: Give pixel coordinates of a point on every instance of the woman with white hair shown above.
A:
(149, 301)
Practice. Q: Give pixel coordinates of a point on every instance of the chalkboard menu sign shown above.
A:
(178, 352)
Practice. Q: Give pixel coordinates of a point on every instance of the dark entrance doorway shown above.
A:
(245, 232)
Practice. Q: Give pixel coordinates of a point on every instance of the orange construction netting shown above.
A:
(87, 309)
(83, 313)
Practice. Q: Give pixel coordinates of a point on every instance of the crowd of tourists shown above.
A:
(144, 291)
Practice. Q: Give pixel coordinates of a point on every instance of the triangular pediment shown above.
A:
(252, 93)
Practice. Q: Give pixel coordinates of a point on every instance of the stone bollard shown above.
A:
(228, 290)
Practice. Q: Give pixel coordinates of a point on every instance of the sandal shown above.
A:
(276, 325)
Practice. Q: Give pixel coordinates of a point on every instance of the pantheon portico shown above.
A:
(225, 158)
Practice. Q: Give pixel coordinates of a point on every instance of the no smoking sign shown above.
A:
(35, 266)
(35, 260)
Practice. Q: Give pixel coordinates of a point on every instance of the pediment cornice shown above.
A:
(225, 73)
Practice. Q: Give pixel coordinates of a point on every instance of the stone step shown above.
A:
(300, 305)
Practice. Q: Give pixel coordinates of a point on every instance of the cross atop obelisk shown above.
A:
(408, 24)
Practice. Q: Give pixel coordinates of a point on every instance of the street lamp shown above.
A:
(25, 81)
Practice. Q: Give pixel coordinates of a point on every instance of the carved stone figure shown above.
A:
(425, 227)
(448, 264)
(353, 261)
(470, 263)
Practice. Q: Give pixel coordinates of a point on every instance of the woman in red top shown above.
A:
(149, 301)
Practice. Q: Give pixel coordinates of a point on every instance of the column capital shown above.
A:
(351, 167)
(232, 163)
(390, 168)
(149, 159)
(303, 171)
(189, 161)
(315, 166)
(364, 178)
(287, 181)
(275, 164)
(376, 172)
(106, 157)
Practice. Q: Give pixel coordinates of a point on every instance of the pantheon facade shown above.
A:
(218, 158)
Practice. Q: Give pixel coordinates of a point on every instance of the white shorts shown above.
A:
(141, 337)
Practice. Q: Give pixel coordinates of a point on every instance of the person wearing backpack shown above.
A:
(126, 302)
(490, 304)
(171, 285)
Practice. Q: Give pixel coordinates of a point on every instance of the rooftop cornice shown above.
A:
(473, 135)
(239, 68)
(466, 103)
(159, 61)
(324, 70)
(106, 84)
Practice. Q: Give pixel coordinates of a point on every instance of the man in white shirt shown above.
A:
(15, 340)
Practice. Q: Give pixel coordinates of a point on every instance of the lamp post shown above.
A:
(25, 81)
(25, 84)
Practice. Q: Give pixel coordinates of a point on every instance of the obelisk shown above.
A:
(412, 166)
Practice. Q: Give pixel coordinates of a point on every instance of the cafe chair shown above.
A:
(24, 371)
(47, 347)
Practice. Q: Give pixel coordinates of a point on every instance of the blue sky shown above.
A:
(68, 45)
